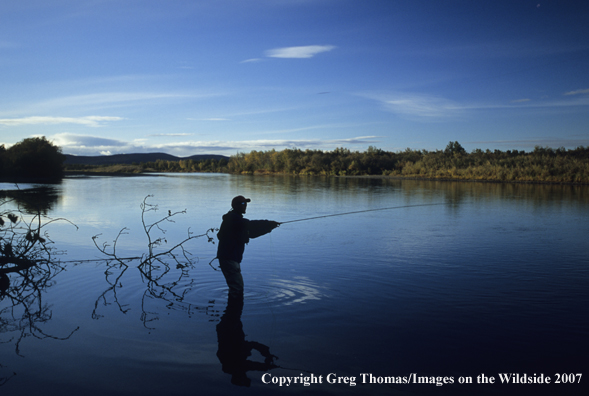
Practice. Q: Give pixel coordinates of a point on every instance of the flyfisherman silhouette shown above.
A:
(235, 232)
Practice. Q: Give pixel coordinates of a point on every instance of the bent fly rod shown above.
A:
(360, 211)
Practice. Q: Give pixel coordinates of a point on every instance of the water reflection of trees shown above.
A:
(28, 267)
(32, 200)
(164, 268)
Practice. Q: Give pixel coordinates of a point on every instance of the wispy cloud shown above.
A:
(307, 51)
(100, 102)
(170, 134)
(209, 119)
(93, 145)
(115, 98)
(252, 60)
(578, 92)
(91, 121)
(190, 147)
(322, 127)
(300, 52)
(87, 143)
(417, 105)
(578, 101)
(427, 107)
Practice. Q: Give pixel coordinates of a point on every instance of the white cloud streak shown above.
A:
(298, 52)
(91, 121)
(247, 145)
(253, 60)
(112, 99)
(93, 145)
(427, 107)
(577, 92)
(96, 102)
(170, 134)
(414, 105)
(209, 119)
(70, 140)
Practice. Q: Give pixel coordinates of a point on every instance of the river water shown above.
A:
(453, 286)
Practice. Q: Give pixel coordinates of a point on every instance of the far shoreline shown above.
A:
(385, 177)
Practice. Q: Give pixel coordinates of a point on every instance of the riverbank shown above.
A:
(129, 171)
(468, 180)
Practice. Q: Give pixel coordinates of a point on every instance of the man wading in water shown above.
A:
(234, 233)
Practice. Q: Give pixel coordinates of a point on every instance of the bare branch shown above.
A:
(27, 269)
(158, 269)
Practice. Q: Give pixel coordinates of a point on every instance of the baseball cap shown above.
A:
(240, 199)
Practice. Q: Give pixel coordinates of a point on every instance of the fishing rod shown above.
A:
(360, 211)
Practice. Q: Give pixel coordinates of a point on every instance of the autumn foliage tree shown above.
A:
(452, 163)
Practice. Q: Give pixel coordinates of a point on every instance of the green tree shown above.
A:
(2, 158)
(34, 157)
(454, 148)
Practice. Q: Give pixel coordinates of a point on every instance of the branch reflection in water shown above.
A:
(172, 290)
(163, 270)
(28, 266)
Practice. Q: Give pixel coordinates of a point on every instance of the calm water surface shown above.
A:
(470, 279)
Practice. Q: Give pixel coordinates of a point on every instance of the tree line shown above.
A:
(37, 157)
(205, 165)
(454, 162)
(543, 164)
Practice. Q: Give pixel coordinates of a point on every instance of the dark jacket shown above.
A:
(236, 231)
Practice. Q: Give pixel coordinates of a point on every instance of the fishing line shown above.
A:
(360, 211)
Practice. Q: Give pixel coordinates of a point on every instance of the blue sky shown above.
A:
(227, 76)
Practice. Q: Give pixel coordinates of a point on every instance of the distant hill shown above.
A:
(131, 158)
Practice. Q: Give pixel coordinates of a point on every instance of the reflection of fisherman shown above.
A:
(234, 350)
(234, 233)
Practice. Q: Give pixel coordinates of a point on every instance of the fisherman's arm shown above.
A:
(258, 228)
